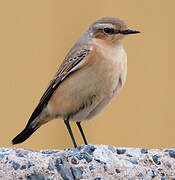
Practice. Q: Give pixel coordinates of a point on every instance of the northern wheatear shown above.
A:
(92, 73)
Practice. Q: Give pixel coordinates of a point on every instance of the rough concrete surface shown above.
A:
(92, 162)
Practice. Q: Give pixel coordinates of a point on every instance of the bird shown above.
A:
(91, 75)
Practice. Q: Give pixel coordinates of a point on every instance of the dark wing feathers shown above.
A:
(64, 70)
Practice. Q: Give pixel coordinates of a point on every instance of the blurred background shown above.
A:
(34, 39)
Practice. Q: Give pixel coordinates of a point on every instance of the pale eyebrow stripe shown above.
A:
(102, 25)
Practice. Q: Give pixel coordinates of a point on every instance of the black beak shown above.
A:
(129, 31)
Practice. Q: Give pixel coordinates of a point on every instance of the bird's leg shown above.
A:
(81, 131)
(70, 132)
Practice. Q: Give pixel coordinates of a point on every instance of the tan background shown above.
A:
(35, 36)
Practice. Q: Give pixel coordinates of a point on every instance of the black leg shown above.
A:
(70, 132)
(82, 133)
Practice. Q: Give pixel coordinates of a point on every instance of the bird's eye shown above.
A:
(108, 30)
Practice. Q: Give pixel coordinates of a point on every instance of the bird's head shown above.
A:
(110, 29)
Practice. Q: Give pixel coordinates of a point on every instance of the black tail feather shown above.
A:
(22, 136)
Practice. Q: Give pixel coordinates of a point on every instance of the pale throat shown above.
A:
(114, 51)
